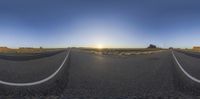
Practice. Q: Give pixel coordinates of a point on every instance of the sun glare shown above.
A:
(99, 46)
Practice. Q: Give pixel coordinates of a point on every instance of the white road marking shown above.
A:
(40, 81)
(185, 72)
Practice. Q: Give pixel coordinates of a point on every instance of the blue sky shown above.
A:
(110, 23)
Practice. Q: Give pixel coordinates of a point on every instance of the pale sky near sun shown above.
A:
(100, 23)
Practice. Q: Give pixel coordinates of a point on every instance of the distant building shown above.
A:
(197, 48)
(152, 46)
(171, 48)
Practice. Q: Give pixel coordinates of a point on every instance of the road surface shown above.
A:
(137, 76)
(89, 75)
(46, 75)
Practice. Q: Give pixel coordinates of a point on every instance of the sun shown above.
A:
(99, 46)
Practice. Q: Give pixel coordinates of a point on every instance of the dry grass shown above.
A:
(190, 50)
(27, 50)
(122, 51)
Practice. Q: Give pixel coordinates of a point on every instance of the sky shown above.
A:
(91, 23)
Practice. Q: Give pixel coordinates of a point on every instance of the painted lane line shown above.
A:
(185, 72)
(40, 81)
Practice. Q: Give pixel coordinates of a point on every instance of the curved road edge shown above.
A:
(184, 71)
(183, 81)
(40, 81)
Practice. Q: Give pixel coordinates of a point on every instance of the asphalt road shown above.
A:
(190, 62)
(150, 75)
(88, 75)
(96, 75)
(29, 71)
(42, 76)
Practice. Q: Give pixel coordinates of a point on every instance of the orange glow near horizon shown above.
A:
(99, 46)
